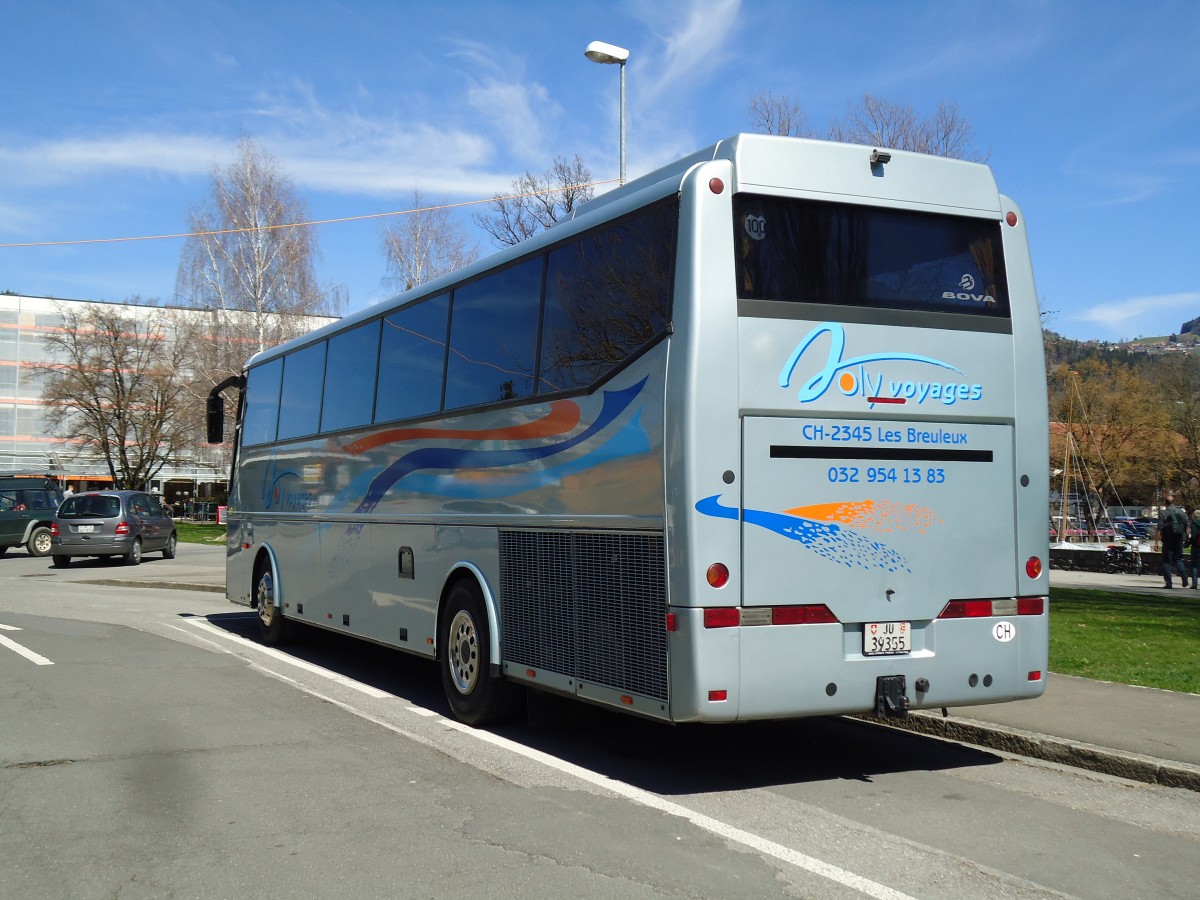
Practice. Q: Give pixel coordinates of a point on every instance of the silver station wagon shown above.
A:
(111, 523)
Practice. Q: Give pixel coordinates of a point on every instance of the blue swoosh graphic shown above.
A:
(827, 539)
(615, 403)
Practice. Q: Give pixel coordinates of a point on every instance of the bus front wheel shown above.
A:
(271, 625)
(474, 695)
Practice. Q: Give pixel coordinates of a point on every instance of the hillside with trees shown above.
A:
(1133, 413)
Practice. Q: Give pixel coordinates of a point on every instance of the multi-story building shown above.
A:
(199, 475)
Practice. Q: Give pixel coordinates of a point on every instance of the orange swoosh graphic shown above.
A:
(562, 417)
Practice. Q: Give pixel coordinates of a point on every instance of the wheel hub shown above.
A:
(463, 652)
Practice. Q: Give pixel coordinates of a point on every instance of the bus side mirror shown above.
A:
(215, 416)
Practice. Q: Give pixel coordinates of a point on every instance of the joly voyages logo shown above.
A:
(868, 377)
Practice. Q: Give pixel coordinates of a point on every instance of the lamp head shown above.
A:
(600, 52)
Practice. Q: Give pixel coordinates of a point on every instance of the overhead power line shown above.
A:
(382, 215)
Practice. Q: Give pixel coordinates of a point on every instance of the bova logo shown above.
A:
(858, 377)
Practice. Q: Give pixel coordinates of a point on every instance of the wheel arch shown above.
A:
(460, 571)
(266, 553)
(31, 526)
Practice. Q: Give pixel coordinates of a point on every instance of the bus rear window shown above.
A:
(806, 251)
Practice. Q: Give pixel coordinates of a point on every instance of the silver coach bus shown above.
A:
(761, 434)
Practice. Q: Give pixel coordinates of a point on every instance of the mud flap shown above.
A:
(890, 701)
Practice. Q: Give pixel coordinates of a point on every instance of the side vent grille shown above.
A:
(590, 605)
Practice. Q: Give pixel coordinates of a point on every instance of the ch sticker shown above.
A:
(1004, 631)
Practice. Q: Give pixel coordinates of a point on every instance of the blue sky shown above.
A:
(113, 114)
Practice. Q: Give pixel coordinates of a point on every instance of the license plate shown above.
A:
(886, 638)
(86, 529)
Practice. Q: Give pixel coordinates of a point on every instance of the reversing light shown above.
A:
(1033, 567)
(718, 575)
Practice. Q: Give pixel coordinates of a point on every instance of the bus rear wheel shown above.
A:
(272, 626)
(475, 697)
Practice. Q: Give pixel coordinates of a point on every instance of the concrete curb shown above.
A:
(1051, 749)
(164, 585)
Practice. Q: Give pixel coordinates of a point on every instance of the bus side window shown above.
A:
(262, 403)
(412, 360)
(493, 336)
(607, 296)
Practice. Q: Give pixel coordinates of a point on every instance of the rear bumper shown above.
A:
(786, 671)
(91, 547)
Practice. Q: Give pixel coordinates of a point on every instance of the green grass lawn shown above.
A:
(1141, 639)
(195, 533)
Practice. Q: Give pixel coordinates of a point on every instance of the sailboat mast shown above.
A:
(1062, 514)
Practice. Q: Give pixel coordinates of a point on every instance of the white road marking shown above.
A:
(629, 792)
(4, 627)
(12, 645)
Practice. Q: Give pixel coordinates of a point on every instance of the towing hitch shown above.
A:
(890, 701)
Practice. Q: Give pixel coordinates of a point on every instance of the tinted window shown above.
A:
(350, 378)
(300, 400)
(412, 357)
(493, 337)
(90, 506)
(805, 251)
(40, 499)
(607, 296)
(262, 403)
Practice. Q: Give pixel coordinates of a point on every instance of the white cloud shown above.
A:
(515, 111)
(696, 50)
(55, 162)
(317, 149)
(1154, 315)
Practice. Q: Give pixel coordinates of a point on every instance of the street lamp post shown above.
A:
(608, 54)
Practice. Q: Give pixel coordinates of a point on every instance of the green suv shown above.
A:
(27, 506)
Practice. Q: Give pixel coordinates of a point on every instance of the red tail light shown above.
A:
(122, 528)
(1010, 606)
(722, 617)
(811, 614)
(53, 530)
(966, 609)
(1031, 606)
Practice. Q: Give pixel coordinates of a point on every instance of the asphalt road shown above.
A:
(150, 747)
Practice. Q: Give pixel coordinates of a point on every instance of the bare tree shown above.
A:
(882, 123)
(875, 122)
(251, 266)
(112, 385)
(779, 114)
(425, 244)
(537, 202)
